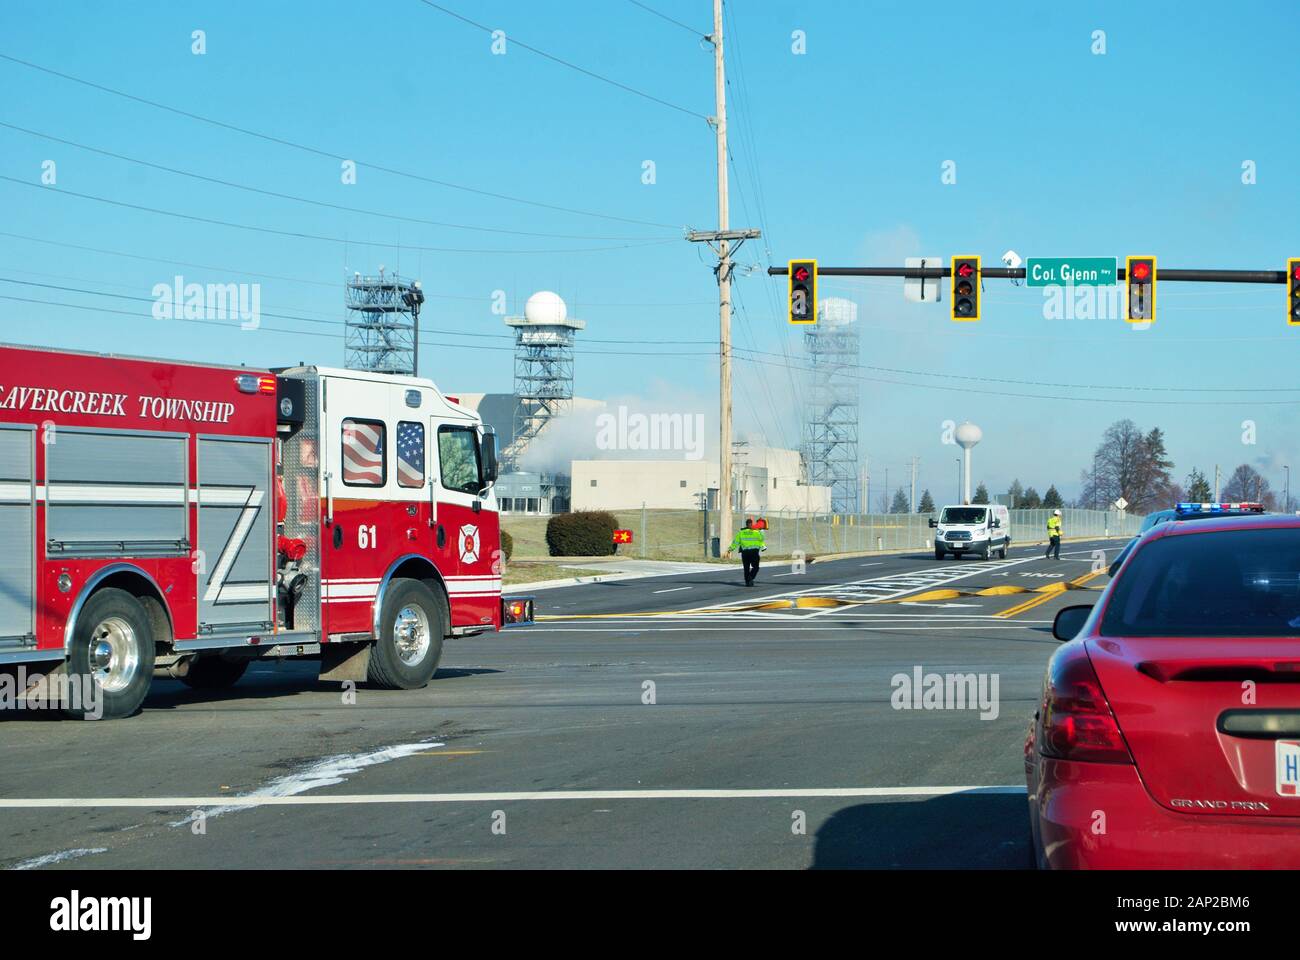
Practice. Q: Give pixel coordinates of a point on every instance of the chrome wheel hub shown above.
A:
(411, 634)
(114, 654)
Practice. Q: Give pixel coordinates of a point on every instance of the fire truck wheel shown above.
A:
(113, 643)
(408, 650)
(214, 673)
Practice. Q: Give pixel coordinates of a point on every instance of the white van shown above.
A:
(973, 528)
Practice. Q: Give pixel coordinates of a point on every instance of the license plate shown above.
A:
(1288, 768)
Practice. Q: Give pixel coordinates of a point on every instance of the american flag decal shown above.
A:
(363, 453)
(410, 454)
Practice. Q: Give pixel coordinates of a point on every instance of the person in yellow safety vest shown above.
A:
(749, 541)
(1053, 535)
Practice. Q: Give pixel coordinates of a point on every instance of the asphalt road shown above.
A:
(684, 722)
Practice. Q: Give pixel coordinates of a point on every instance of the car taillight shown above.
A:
(1075, 722)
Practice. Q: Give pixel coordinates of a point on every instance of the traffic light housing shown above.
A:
(965, 288)
(1293, 291)
(1140, 279)
(803, 291)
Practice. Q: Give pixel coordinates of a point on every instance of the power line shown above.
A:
(317, 151)
(566, 63)
(663, 16)
(304, 280)
(1068, 386)
(318, 319)
(296, 199)
(313, 236)
(337, 336)
(1038, 396)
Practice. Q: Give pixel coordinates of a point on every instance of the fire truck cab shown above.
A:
(185, 519)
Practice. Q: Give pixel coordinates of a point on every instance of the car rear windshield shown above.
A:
(1242, 583)
(962, 515)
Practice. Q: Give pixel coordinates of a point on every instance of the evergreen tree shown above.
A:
(1016, 493)
(1030, 501)
(1052, 499)
(981, 494)
(1198, 488)
(927, 503)
(900, 504)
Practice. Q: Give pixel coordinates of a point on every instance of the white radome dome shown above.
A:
(544, 306)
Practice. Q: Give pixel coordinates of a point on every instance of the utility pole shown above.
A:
(724, 274)
(913, 504)
(1216, 483)
(723, 237)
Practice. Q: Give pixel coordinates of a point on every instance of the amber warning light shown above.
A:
(516, 611)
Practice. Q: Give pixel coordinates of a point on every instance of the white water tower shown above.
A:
(967, 436)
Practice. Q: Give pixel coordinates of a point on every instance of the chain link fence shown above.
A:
(688, 534)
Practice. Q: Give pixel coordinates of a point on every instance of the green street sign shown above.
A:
(1062, 271)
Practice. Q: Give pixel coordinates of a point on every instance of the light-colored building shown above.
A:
(767, 480)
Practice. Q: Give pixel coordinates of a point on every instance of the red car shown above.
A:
(1168, 734)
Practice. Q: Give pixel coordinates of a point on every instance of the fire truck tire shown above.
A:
(214, 673)
(410, 645)
(113, 642)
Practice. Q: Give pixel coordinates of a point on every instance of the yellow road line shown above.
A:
(1043, 594)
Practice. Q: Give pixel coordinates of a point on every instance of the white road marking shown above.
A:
(349, 799)
(673, 590)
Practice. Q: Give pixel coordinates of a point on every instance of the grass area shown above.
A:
(535, 572)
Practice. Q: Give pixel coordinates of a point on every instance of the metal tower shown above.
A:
(383, 324)
(543, 369)
(830, 433)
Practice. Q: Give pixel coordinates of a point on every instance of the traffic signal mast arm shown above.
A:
(1018, 273)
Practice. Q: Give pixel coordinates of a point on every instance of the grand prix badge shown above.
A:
(468, 542)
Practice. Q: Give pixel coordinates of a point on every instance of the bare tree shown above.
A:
(1130, 464)
(1248, 484)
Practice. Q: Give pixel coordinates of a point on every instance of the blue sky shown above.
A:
(838, 154)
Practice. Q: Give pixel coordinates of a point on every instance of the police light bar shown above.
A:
(1219, 508)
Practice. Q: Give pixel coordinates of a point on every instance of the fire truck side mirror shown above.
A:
(490, 468)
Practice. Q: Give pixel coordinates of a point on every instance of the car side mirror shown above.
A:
(1070, 620)
(996, 524)
(934, 522)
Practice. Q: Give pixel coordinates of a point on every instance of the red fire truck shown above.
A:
(184, 519)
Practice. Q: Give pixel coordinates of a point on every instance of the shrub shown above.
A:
(586, 533)
(507, 544)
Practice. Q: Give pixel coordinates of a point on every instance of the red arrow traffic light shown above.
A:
(965, 288)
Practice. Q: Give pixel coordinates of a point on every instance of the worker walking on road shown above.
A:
(749, 541)
(1053, 535)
